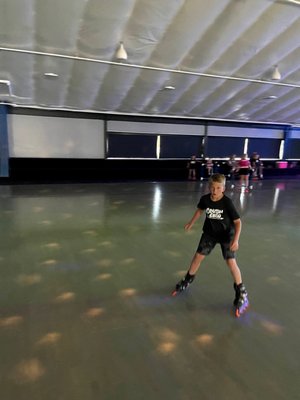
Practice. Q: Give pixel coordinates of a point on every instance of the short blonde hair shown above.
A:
(219, 178)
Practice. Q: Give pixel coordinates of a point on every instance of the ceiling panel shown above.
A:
(186, 58)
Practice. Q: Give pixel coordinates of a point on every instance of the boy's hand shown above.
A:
(188, 226)
(234, 246)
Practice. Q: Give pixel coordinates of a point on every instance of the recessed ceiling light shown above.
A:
(169, 87)
(237, 107)
(272, 97)
(50, 75)
(243, 116)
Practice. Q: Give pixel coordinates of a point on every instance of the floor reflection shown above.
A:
(86, 274)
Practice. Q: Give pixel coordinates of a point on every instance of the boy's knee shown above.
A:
(231, 262)
(199, 256)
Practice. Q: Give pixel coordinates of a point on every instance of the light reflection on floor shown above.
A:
(65, 297)
(49, 339)
(29, 371)
(86, 274)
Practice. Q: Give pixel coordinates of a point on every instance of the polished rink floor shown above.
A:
(86, 312)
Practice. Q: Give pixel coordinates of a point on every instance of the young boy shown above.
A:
(222, 225)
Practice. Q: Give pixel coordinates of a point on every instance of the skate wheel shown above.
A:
(241, 310)
(174, 293)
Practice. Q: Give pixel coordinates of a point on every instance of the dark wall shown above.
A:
(36, 169)
(43, 170)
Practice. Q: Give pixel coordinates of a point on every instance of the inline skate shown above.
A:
(183, 284)
(241, 301)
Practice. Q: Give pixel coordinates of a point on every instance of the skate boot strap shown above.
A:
(241, 288)
(189, 278)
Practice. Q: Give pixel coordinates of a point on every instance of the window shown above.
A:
(180, 146)
(292, 148)
(266, 148)
(131, 146)
(222, 147)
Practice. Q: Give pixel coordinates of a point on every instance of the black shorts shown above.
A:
(244, 171)
(207, 244)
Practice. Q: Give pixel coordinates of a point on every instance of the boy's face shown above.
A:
(216, 190)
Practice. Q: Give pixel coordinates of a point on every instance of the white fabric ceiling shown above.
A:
(218, 55)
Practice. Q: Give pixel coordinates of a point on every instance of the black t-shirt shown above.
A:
(219, 217)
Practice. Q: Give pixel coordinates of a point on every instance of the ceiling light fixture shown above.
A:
(50, 74)
(121, 53)
(276, 75)
(271, 97)
(151, 68)
(169, 87)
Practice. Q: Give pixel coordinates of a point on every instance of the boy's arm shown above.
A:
(196, 215)
(237, 231)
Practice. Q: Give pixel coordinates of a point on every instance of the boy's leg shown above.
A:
(190, 275)
(205, 246)
(235, 271)
(195, 264)
(240, 301)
